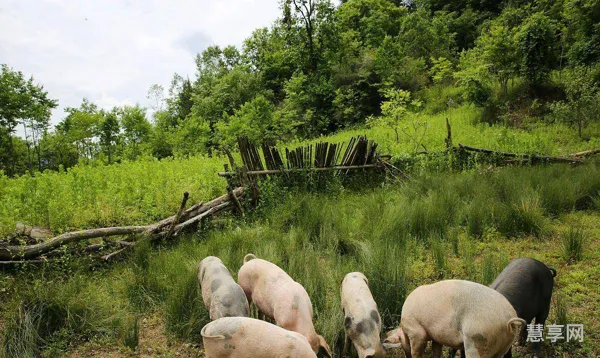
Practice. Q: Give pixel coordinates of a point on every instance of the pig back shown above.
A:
(454, 310)
(527, 284)
(261, 280)
(241, 337)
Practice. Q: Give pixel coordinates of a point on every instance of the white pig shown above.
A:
(222, 296)
(279, 297)
(242, 337)
(362, 321)
(458, 314)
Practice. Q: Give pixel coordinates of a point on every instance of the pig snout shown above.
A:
(394, 339)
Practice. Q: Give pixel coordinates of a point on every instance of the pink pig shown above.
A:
(242, 337)
(279, 297)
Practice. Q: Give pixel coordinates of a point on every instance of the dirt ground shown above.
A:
(152, 343)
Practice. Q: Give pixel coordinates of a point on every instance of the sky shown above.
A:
(112, 51)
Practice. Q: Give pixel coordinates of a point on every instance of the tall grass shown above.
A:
(573, 243)
(142, 191)
(46, 313)
(400, 236)
(119, 194)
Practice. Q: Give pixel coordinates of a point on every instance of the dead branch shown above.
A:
(178, 216)
(585, 153)
(530, 157)
(153, 231)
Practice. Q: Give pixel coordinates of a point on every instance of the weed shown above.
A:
(573, 243)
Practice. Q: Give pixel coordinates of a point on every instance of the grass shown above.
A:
(146, 190)
(401, 236)
(574, 244)
(119, 194)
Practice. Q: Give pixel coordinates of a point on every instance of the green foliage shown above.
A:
(441, 70)
(129, 193)
(582, 105)
(536, 43)
(415, 223)
(256, 120)
(574, 242)
(46, 313)
(185, 313)
(398, 108)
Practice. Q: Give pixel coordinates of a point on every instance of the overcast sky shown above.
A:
(111, 51)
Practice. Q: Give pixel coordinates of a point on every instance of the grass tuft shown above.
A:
(573, 243)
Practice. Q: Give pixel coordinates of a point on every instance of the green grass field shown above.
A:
(144, 191)
(434, 226)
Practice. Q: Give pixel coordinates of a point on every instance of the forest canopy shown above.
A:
(322, 67)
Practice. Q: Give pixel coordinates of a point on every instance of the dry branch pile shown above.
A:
(185, 219)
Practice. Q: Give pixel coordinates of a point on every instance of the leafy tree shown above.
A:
(536, 43)
(396, 110)
(582, 33)
(441, 70)
(22, 101)
(80, 128)
(136, 129)
(582, 104)
(108, 132)
(190, 137)
(497, 49)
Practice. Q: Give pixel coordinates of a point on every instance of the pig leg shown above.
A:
(471, 350)
(418, 343)
(347, 343)
(540, 319)
(437, 349)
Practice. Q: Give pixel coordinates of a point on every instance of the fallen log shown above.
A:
(153, 231)
(178, 228)
(585, 153)
(10, 253)
(530, 157)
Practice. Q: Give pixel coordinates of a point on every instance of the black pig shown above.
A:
(527, 284)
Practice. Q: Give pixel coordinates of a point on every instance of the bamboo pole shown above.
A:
(279, 171)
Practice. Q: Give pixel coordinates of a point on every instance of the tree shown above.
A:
(80, 127)
(23, 101)
(156, 95)
(582, 104)
(399, 107)
(582, 31)
(136, 129)
(108, 132)
(497, 49)
(536, 44)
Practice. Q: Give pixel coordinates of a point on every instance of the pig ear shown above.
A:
(324, 347)
(347, 322)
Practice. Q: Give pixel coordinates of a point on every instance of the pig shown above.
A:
(278, 297)
(459, 314)
(242, 337)
(222, 296)
(527, 284)
(362, 321)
